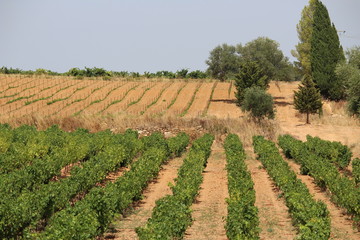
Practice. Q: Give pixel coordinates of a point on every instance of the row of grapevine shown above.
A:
(344, 191)
(91, 216)
(21, 146)
(356, 170)
(17, 213)
(61, 149)
(172, 215)
(335, 152)
(310, 216)
(242, 221)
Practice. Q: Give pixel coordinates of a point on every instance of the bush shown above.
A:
(259, 103)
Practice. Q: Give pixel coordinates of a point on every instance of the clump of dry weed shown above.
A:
(195, 127)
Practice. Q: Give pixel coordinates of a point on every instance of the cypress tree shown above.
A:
(250, 74)
(305, 29)
(325, 53)
(307, 99)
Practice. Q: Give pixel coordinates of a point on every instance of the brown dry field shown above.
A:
(194, 107)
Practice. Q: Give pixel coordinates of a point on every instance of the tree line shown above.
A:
(105, 74)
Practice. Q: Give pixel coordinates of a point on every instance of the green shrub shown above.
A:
(259, 103)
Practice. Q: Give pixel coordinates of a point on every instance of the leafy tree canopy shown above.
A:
(353, 56)
(349, 73)
(225, 60)
(266, 53)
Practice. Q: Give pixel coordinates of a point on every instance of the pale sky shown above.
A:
(149, 35)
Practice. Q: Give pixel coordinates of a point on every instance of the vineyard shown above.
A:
(182, 182)
(59, 97)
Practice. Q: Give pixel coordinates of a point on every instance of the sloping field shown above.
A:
(169, 95)
(44, 97)
(223, 102)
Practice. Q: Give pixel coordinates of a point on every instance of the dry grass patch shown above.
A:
(195, 127)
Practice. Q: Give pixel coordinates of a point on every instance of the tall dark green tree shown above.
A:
(250, 75)
(307, 99)
(305, 29)
(325, 53)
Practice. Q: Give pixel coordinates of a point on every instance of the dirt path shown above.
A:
(124, 227)
(341, 224)
(275, 221)
(210, 208)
